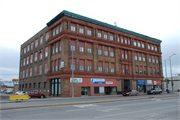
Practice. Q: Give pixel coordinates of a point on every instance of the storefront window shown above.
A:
(141, 88)
(113, 89)
(158, 86)
(59, 86)
(149, 87)
(52, 88)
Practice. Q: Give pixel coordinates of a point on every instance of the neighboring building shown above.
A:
(176, 83)
(108, 59)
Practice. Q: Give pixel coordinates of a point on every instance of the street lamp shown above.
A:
(166, 73)
(73, 68)
(171, 72)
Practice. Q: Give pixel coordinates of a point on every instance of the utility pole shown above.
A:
(171, 73)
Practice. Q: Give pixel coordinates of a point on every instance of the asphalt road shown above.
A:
(146, 109)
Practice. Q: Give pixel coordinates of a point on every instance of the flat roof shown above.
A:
(90, 20)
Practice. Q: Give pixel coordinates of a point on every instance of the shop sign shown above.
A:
(76, 80)
(141, 82)
(97, 81)
(109, 82)
(149, 81)
(62, 64)
(156, 82)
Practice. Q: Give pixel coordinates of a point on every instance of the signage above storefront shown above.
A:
(141, 82)
(156, 82)
(76, 80)
(97, 81)
(149, 81)
(109, 82)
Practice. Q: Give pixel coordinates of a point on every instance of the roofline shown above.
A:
(90, 20)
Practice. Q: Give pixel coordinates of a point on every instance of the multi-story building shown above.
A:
(107, 59)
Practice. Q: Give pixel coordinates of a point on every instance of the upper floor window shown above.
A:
(118, 39)
(88, 32)
(139, 57)
(60, 29)
(25, 50)
(41, 40)
(47, 36)
(99, 35)
(73, 28)
(32, 45)
(106, 53)
(54, 32)
(152, 47)
(28, 48)
(81, 67)
(129, 42)
(105, 36)
(36, 43)
(81, 30)
(121, 40)
(125, 41)
(81, 49)
(111, 37)
(148, 46)
(46, 51)
(134, 43)
(88, 50)
(99, 52)
(142, 45)
(155, 48)
(139, 45)
(112, 54)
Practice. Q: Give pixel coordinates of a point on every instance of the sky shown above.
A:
(22, 19)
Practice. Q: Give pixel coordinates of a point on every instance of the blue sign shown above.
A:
(97, 81)
(141, 82)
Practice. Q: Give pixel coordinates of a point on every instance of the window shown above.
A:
(144, 57)
(56, 30)
(24, 62)
(23, 73)
(140, 72)
(125, 54)
(25, 50)
(142, 45)
(59, 64)
(112, 70)
(35, 56)
(22, 52)
(89, 63)
(40, 69)
(156, 60)
(81, 30)
(81, 68)
(145, 70)
(105, 36)
(153, 59)
(100, 66)
(88, 50)
(46, 51)
(47, 36)
(118, 39)
(123, 69)
(122, 54)
(135, 56)
(39, 85)
(106, 53)
(100, 69)
(149, 58)
(52, 66)
(81, 49)
(96, 90)
(34, 85)
(29, 85)
(139, 44)
(56, 65)
(56, 49)
(36, 43)
(158, 71)
(99, 35)
(40, 54)
(155, 48)
(45, 68)
(30, 72)
(52, 49)
(45, 84)
(27, 60)
(35, 70)
(125, 41)
(129, 42)
(26, 72)
(112, 54)
(89, 68)
(127, 69)
(73, 47)
(73, 28)
(150, 70)
(152, 47)
(99, 52)
(88, 32)
(111, 37)
(28, 48)
(121, 40)
(41, 40)
(139, 56)
(106, 69)
(21, 63)
(148, 46)
(136, 69)
(32, 45)
(154, 71)
(134, 43)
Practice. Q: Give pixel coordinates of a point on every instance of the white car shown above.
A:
(20, 93)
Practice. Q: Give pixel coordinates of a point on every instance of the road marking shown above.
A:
(117, 106)
(107, 110)
(136, 111)
(86, 105)
(157, 99)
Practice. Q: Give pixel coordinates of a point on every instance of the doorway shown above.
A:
(107, 90)
(127, 85)
(85, 91)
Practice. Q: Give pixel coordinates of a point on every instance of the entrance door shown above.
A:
(56, 87)
(107, 90)
(127, 85)
(85, 91)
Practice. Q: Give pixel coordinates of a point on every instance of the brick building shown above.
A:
(107, 59)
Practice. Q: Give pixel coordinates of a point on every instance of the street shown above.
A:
(145, 109)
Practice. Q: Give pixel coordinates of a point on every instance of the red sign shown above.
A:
(157, 83)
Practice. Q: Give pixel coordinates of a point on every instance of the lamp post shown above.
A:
(73, 70)
(166, 73)
(171, 72)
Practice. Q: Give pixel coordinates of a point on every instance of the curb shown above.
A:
(79, 103)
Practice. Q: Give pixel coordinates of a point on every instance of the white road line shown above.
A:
(117, 106)
(135, 111)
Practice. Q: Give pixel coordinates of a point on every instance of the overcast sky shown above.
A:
(21, 19)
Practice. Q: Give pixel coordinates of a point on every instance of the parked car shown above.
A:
(154, 91)
(9, 92)
(20, 93)
(131, 92)
(35, 94)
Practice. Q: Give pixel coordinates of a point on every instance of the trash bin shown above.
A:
(167, 90)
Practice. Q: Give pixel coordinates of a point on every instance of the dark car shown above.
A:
(131, 92)
(33, 94)
(154, 91)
